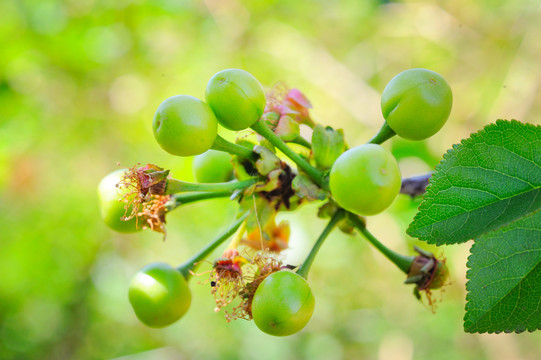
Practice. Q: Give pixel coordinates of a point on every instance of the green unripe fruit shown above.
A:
(159, 295)
(365, 180)
(416, 103)
(213, 167)
(111, 207)
(236, 97)
(283, 304)
(184, 125)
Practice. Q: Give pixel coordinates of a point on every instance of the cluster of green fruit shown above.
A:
(355, 182)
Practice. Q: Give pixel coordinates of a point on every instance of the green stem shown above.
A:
(184, 198)
(222, 144)
(403, 262)
(299, 140)
(384, 134)
(262, 129)
(305, 267)
(176, 186)
(190, 265)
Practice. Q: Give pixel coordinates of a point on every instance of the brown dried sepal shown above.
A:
(233, 280)
(427, 273)
(264, 265)
(282, 192)
(226, 278)
(140, 184)
(153, 213)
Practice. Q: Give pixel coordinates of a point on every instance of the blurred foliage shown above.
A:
(79, 83)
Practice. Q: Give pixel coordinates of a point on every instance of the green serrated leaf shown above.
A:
(489, 180)
(504, 287)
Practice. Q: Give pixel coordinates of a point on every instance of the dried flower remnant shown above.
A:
(140, 183)
(427, 273)
(254, 272)
(284, 103)
(153, 212)
(226, 278)
(297, 101)
(275, 97)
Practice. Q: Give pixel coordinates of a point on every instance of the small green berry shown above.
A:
(365, 180)
(185, 126)
(416, 103)
(236, 97)
(283, 304)
(212, 167)
(112, 207)
(159, 295)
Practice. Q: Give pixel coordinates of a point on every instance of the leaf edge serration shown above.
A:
(467, 306)
(430, 192)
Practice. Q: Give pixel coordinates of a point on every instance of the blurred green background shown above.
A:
(79, 83)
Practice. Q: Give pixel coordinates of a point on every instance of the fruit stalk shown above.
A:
(183, 198)
(401, 261)
(222, 144)
(187, 267)
(384, 134)
(299, 140)
(176, 186)
(262, 129)
(305, 267)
